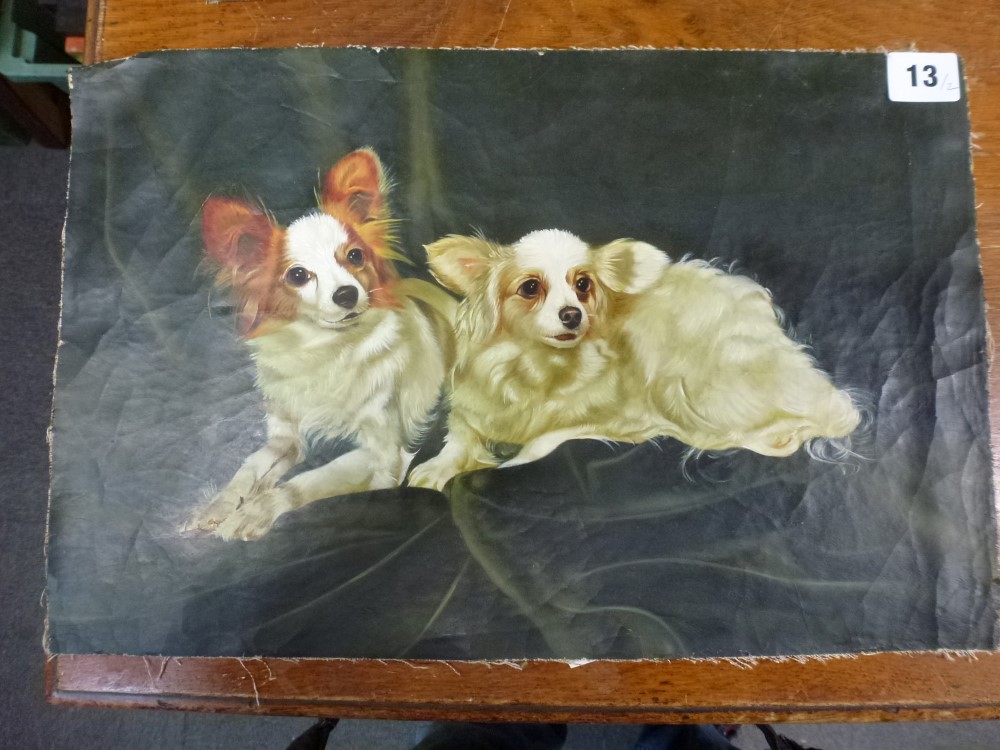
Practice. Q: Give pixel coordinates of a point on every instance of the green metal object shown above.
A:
(30, 50)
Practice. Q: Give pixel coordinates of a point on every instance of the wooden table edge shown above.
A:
(899, 686)
(94, 32)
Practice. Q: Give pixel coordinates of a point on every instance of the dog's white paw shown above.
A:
(782, 438)
(433, 474)
(219, 508)
(255, 517)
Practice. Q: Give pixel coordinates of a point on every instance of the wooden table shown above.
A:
(845, 688)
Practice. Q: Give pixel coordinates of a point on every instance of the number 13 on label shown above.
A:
(923, 77)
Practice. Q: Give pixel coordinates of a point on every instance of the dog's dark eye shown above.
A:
(583, 285)
(529, 289)
(297, 276)
(356, 257)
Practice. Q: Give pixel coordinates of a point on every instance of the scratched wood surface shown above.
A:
(865, 688)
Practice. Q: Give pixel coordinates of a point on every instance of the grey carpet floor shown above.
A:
(32, 203)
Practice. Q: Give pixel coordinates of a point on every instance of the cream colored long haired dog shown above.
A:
(559, 340)
(342, 346)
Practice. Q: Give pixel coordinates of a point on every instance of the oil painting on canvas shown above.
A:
(503, 355)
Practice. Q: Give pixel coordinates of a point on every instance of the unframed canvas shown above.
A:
(478, 355)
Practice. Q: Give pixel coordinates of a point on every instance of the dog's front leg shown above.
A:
(358, 471)
(464, 450)
(259, 473)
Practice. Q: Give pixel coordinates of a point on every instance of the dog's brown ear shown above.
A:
(629, 266)
(459, 263)
(356, 184)
(237, 235)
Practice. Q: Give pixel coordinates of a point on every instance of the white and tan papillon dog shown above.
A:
(344, 349)
(560, 340)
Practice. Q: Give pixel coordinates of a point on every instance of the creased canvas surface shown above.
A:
(855, 212)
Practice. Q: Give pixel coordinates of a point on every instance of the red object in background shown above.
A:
(75, 45)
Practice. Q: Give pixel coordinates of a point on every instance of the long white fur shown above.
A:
(685, 350)
(372, 379)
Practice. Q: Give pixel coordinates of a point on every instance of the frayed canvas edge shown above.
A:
(740, 662)
(46, 628)
(989, 356)
(994, 465)
(879, 50)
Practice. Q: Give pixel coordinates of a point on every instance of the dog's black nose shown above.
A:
(570, 317)
(346, 296)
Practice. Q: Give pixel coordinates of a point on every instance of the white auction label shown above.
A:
(923, 77)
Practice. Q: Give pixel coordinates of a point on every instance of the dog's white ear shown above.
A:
(460, 263)
(628, 266)
(356, 184)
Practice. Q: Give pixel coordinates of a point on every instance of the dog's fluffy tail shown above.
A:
(845, 450)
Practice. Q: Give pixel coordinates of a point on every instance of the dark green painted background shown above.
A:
(854, 211)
